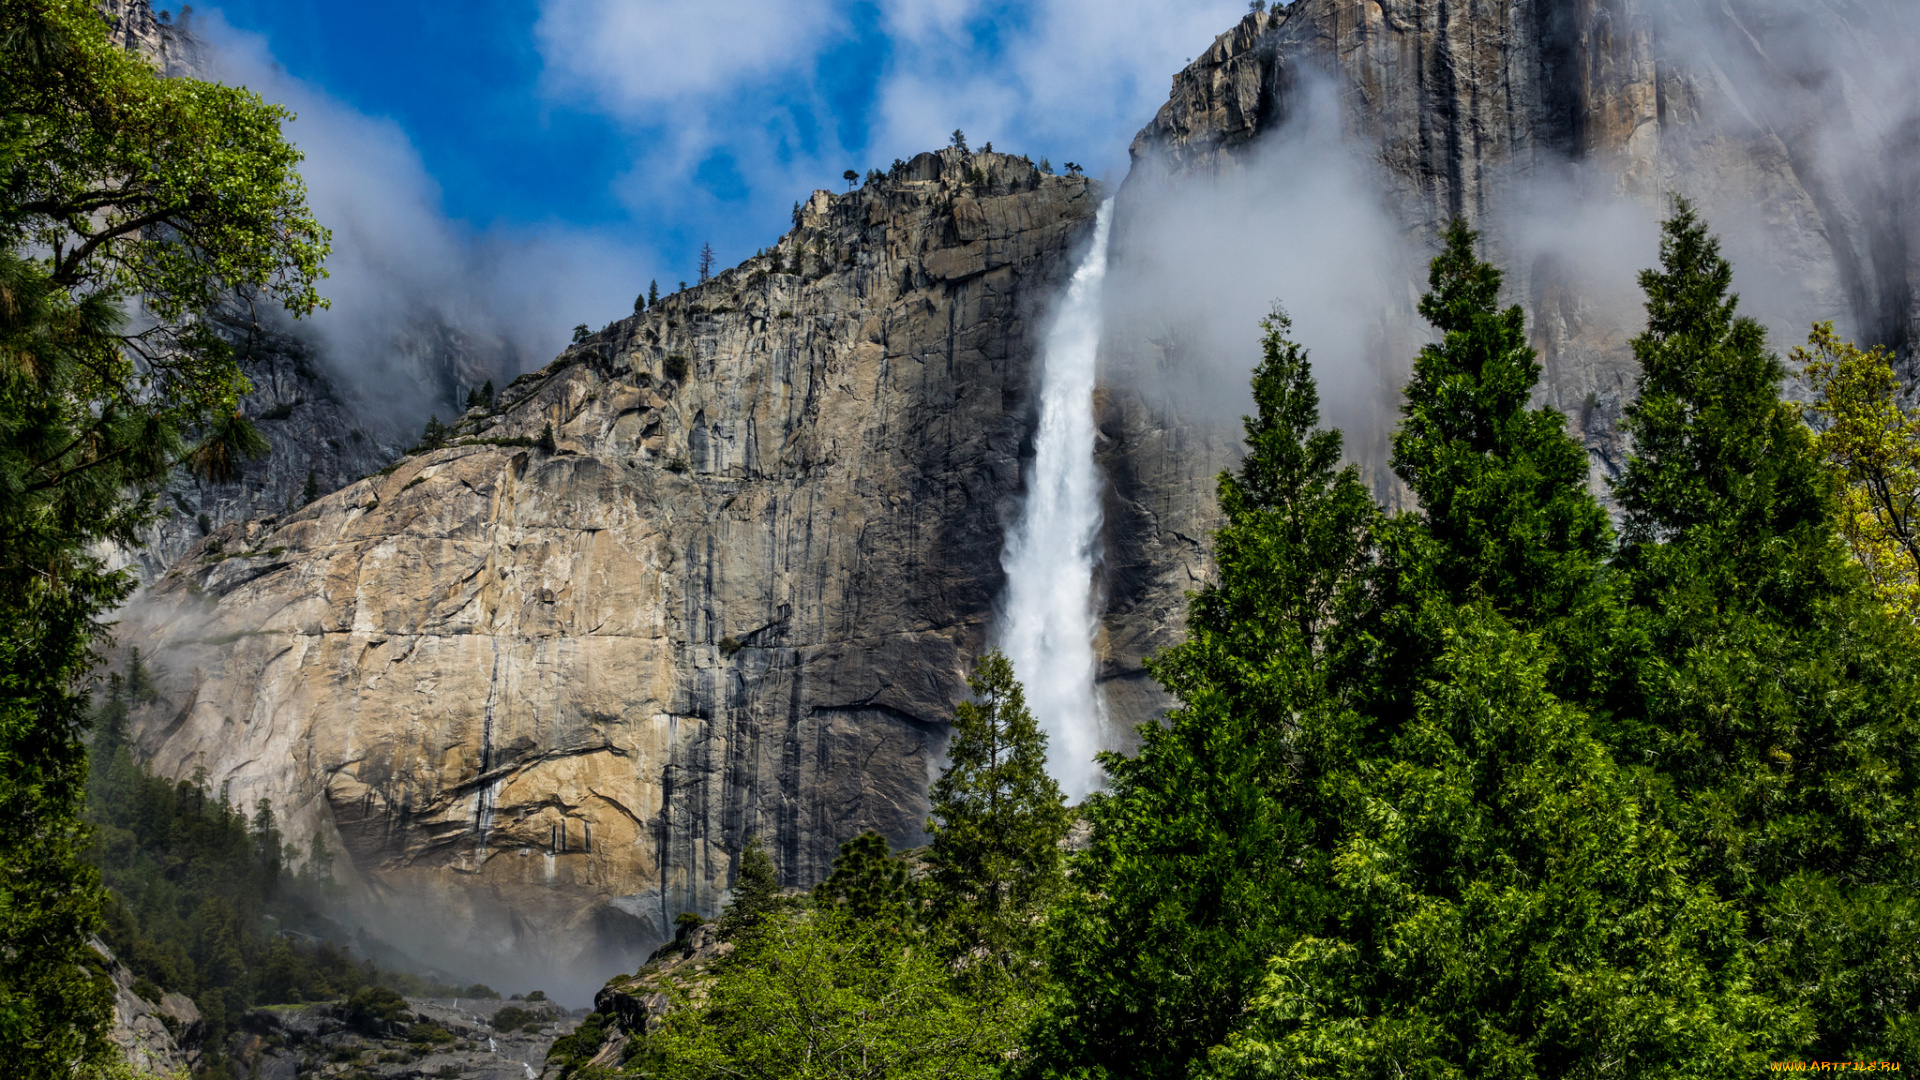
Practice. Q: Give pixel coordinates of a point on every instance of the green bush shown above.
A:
(373, 1007)
(429, 1032)
(514, 1018)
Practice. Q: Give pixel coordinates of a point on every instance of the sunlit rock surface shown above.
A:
(542, 698)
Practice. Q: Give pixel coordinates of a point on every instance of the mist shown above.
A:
(1796, 130)
(1303, 225)
(423, 307)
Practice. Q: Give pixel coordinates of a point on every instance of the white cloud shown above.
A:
(1076, 78)
(1055, 78)
(634, 55)
(399, 262)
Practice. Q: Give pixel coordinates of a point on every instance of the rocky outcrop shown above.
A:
(546, 694)
(323, 432)
(167, 44)
(465, 1038)
(154, 1032)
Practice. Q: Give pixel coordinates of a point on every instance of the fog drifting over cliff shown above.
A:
(1797, 131)
(408, 285)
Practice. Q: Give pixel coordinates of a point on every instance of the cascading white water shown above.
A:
(1048, 619)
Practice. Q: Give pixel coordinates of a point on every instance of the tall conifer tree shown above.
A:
(998, 818)
(1770, 693)
(1191, 883)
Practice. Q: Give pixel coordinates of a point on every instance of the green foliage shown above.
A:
(1770, 693)
(756, 894)
(998, 818)
(311, 490)
(581, 333)
(819, 994)
(513, 1018)
(116, 186)
(577, 1047)
(1501, 904)
(868, 881)
(959, 140)
(200, 893)
(432, 438)
(674, 367)
(373, 1010)
(1464, 793)
(1871, 443)
(1505, 514)
(1193, 880)
(545, 442)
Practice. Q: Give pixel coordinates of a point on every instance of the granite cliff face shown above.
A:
(320, 425)
(552, 692)
(1793, 125)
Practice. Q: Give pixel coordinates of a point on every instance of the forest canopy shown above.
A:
(1504, 785)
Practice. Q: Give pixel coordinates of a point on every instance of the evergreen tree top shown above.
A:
(1502, 487)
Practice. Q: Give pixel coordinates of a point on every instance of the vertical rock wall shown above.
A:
(542, 698)
(1792, 122)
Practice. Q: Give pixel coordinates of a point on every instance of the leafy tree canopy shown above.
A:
(131, 207)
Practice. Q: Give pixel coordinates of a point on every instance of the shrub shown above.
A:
(513, 1018)
(429, 1032)
(373, 1007)
(675, 367)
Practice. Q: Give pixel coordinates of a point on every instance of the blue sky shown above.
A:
(568, 151)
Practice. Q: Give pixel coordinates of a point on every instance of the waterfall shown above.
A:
(1048, 619)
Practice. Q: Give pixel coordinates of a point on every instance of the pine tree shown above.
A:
(998, 818)
(1769, 691)
(706, 263)
(1192, 868)
(311, 490)
(434, 436)
(1502, 489)
(545, 442)
(266, 844)
(1722, 472)
(653, 292)
(755, 894)
(868, 881)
